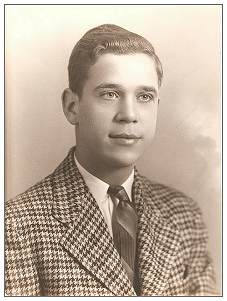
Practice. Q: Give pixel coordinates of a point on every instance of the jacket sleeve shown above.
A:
(200, 269)
(21, 276)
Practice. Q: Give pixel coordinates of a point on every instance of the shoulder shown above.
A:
(31, 203)
(173, 204)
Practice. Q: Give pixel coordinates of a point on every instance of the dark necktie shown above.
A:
(124, 225)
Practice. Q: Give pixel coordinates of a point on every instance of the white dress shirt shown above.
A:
(98, 189)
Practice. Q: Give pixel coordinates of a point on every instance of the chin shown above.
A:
(124, 160)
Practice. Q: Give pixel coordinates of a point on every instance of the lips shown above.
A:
(124, 136)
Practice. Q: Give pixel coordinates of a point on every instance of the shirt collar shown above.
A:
(99, 188)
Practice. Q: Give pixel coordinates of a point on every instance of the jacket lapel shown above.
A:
(86, 234)
(158, 241)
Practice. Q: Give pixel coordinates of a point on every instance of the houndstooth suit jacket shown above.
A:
(58, 244)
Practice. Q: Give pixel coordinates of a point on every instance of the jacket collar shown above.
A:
(87, 237)
(158, 238)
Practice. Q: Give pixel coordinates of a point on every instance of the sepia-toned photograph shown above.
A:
(113, 145)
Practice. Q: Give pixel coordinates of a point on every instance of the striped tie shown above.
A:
(124, 225)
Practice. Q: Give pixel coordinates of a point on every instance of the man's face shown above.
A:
(117, 110)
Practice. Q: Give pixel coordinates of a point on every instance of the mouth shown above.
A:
(125, 139)
(124, 136)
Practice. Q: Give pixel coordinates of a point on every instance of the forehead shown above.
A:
(129, 70)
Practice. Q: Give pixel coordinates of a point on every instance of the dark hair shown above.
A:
(106, 38)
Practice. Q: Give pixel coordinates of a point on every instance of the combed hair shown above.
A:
(106, 38)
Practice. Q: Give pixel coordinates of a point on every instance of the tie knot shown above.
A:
(118, 192)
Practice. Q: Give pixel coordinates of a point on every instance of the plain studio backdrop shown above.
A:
(186, 152)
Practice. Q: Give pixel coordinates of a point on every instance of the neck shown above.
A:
(112, 175)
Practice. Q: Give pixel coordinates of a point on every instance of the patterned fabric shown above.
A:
(58, 244)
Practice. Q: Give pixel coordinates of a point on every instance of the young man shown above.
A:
(96, 226)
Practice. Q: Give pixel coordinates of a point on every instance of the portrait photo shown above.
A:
(113, 145)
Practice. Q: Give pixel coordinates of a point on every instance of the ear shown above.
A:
(70, 105)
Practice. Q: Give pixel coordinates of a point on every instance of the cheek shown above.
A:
(149, 127)
(92, 122)
(86, 116)
(150, 119)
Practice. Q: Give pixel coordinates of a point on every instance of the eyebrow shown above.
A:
(110, 86)
(148, 89)
(120, 87)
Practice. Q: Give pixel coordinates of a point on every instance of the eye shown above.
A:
(146, 97)
(110, 95)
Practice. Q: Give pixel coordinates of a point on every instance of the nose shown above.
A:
(127, 111)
